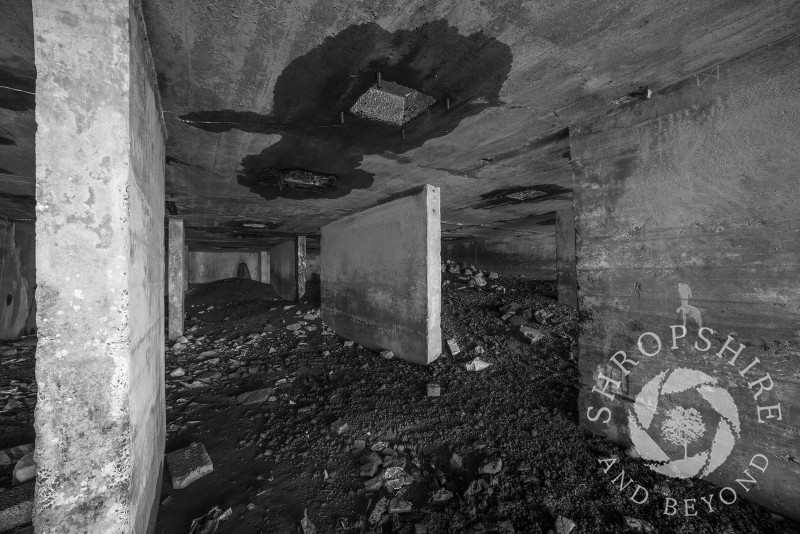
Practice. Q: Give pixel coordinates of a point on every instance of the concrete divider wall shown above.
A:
(381, 276)
(687, 216)
(283, 269)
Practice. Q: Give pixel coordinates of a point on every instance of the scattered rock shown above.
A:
(453, 346)
(177, 373)
(456, 462)
(16, 506)
(387, 354)
(491, 466)
(531, 334)
(639, 526)
(434, 390)
(256, 396)
(399, 506)
(476, 365)
(24, 470)
(188, 465)
(378, 510)
(564, 525)
(339, 427)
(11, 455)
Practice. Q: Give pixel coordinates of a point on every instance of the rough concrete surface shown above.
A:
(381, 276)
(99, 265)
(687, 215)
(17, 279)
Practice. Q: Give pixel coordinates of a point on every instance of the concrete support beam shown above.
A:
(287, 268)
(176, 264)
(565, 257)
(263, 266)
(381, 276)
(100, 414)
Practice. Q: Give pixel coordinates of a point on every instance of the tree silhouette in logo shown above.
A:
(682, 427)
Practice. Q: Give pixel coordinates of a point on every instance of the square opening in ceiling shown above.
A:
(392, 103)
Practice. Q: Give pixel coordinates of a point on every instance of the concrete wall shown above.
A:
(283, 263)
(100, 260)
(17, 279)
(687, 213)
(209, 266)
(532, 255)
(381, 276)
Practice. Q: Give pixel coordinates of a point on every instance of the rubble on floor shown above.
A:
(309, 432)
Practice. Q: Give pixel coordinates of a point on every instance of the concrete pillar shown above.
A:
(565, 257)
(264, 266)
(100, 414)
(381, 276)
(176, 262)
(185, 268)
(300, 244)
(287, 268)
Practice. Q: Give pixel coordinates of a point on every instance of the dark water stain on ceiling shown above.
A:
(315, 88)
(523, 194)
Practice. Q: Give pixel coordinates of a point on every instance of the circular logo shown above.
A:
(683, 426)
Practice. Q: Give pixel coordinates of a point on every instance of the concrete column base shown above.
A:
(287, 268)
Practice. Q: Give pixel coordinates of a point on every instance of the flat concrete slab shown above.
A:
(189, 465)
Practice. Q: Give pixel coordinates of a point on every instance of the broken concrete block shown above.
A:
(379, 510)
(339, 427)
(374, 484)
(16, 506)
(188, 465)
(256, 396)
(434, 390)
(531, 334)
(349, 343)
(24, 470)
(453, 346)
(387, 354)
(399, 506)
(542, 316)
(493, 275)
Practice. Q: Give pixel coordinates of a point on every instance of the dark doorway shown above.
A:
(242, 271)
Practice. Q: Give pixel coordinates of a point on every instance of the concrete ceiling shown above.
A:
(253, 88)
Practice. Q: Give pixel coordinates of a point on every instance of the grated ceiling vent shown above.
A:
(391, 103)
(301, 179)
